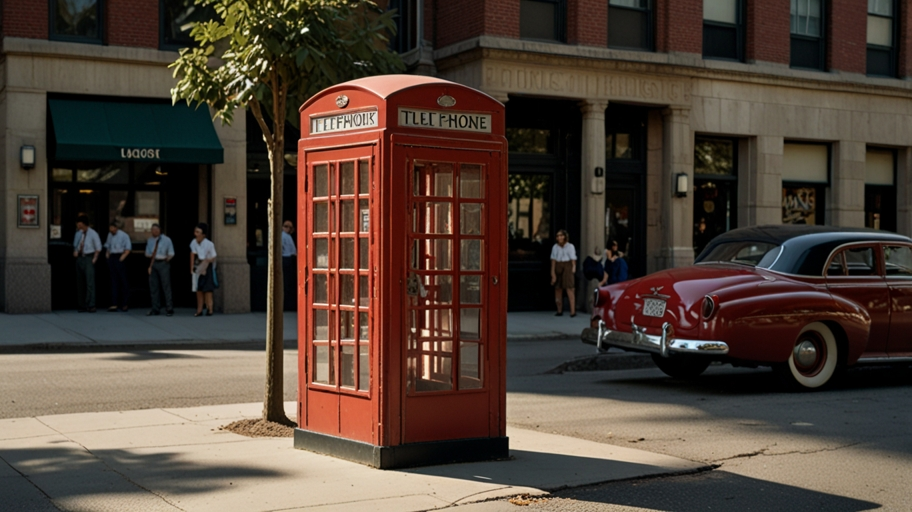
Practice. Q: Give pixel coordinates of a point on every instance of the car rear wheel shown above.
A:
(681, 366)
(814, 357)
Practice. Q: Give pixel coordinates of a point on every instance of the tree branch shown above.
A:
(258, 115)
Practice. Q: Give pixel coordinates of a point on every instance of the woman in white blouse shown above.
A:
(563, 272)
(202, 268)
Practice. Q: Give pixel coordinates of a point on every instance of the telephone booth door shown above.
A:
(336, 305)
(453, 278)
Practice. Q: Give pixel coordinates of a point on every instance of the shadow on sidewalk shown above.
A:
(716, 490)
(74, 477)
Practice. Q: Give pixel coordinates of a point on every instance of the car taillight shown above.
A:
(709, 307)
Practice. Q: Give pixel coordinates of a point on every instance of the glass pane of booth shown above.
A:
(324, 369)
(347, 254)
(470, 365)
(348, 366)
(364, 177)
(433, 179)
(321, 181)
(470, 219)
(470, 254)
(364, 368)
(434, 254)
(470, 289)
(471, 181)
(320, 295)
(348, 217)
(347, 174)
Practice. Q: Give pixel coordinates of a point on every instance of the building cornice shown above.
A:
(19, 46)
(671, 65)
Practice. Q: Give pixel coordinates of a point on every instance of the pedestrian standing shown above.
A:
(202, 268)
(117, 248)
(289, 267)
(160, 250)
(563, 272)
(87, 245)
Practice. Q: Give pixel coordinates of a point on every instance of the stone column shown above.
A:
(25, 274)
(229, 179)
(904, 191)
(592, 190)
(677, 212)
(845, 206)
(760, 181)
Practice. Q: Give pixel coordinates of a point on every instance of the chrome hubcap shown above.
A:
(806, 353)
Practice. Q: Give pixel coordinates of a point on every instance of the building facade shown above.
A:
(654, 123)
(88, 128)
(662, 123)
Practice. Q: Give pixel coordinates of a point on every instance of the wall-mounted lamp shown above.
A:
(681, 185)
(27, 157)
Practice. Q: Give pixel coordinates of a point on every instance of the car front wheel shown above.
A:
(681, 366)
(814, 357)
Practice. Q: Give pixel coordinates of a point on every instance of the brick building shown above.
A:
(87, 127)
(656, 123)
(661, 123)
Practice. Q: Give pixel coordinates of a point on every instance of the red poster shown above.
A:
(28, 211)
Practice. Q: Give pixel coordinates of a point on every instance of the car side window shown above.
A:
(898, 260)
(837, 266)
(860, 261)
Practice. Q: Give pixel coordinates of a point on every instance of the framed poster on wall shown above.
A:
(28, 211)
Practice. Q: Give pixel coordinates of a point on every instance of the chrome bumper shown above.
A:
(664, 345)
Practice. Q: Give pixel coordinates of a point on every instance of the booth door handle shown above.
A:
(495, 280)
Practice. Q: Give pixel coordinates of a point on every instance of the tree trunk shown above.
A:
(274, 403)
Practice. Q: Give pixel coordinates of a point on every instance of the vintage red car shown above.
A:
(806, 300)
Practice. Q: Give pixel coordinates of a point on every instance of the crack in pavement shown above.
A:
(764, 452)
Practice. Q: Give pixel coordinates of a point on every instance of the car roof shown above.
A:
(805, 248)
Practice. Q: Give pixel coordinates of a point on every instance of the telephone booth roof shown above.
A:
(378, 92)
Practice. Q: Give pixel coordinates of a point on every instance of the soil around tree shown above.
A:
(260, 428)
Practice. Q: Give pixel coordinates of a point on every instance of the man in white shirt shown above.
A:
(289, 267)
(87, 246)
(117, 248)
(160, 250)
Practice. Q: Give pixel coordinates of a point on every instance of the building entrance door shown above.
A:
(625, 205)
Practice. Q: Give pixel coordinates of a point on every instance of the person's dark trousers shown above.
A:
(290, 280)
(85, 282)
(160, 284)
(120, 291)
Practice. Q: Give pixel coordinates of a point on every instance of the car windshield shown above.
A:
(755, 254)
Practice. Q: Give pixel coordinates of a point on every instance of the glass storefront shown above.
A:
(715, 189)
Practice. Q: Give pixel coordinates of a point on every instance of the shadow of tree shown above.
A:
(67, 471)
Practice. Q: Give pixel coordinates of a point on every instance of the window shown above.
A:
(880, 192)
(76, 21)
(406, 37)
(807, 45)
(881, 38)
(542, 20)
(715, 189)
(177, 20)
(805, 176)
(898, 260)
(723, 29)
(853, 262)
(630, 24)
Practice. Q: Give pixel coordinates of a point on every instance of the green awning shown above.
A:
(144, 132)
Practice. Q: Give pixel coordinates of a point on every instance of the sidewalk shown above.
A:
(177, 459)
(62, 330)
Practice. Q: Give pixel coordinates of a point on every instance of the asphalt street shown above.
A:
(845, 448)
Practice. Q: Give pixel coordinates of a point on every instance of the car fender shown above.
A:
(764, 328)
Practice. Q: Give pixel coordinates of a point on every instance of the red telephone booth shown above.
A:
(402, 309)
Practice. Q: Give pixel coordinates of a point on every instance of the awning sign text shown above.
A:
(442, 120)
(344, 122)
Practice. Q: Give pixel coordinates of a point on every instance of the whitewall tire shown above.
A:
(814, 356)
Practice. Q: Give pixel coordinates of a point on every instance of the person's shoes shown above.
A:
(112, 309)
(124, 310)
(198, 313)
(170, 312)
(152, 312)
(559, 313)
(572, 315)
(208, 313)
(81, 310)
(91, 310)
